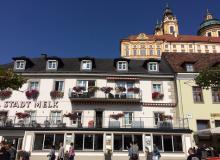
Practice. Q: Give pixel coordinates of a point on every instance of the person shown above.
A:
(12, 151)
(61, 152)
(66, 155)
(148, 155)
(192, 155)
(129, 150)
(156, 153)
(4, 154)
(52, 155)
(71, 152)
(134, 151)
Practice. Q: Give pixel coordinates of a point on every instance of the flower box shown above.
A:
(78, 89)
(72, 116)
(5, 94)
(135, 90)
(106, 90)
(32, 94)
(120, 89)
(22, 115)
(56, 94)
(157, 95)
(116, 116)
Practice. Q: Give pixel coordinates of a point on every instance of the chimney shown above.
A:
(43, 55)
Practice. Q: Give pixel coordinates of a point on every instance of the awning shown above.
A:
(208, 132)
(122, 78)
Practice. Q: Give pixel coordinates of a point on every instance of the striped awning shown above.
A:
(123, 78)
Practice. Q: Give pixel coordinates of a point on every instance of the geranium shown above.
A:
(32, 94)
(5, 94)
(134, 90)
(165, 117)
(157, 95)
(117, 116)
(56, 94)
(120, 89)
(106, 90)
(22, 115)
(78, 89)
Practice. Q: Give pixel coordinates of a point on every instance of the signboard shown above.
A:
(29, 104)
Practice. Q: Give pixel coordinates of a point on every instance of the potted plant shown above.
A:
(22, 115)
(5, 94)
(157, 95)
(106, 90)
(135, 90)
(56, 94)
(78, 89)
(72, 116)
(117, 116)
(92, 90)
(32, 94)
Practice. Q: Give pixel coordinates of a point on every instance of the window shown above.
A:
(203, 124)
(168, 143)
(209, 34)
(55, 117)
(127, 50)
(197, 94)
(171, 29)
(78, 120)
(143, 51)
(182, 46)
(85, 84)
(88, 142)
(135, 50)
(151, 52)
(127, 118)
(213, 47)
(190, 46)
(152, 66)
(19, 64)
(206, 47)
(189, 67)
(33, 85)
(174, 46)
(215, 95)
(31, 118)
(122, 65)
(121, 141)
(45, 141)
(218, 33)
(86, 65)
(166, 46)
(51, 64)
(217, 123)
(126, 85)
(158, 52)
(157, 87)
(59, 86)
(157, 117)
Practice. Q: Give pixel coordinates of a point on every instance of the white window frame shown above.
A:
(153, 68)
(158, 118)
(56, 118)
(86, 65)
(53, 66)
(122, 65)
(189, 67)
(58, 85)
(130, 118)
(20, 64)
(157, 89)
(36, 87)
(33, 115)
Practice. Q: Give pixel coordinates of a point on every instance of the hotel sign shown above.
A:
(30, 104)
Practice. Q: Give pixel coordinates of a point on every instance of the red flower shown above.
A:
(106, 90)
(56, 94)
(5, 94)
(134, 90)
(117, 116)
(157, 95)
(21, 115)
(78, 89)
(32, 94)
(72, 116)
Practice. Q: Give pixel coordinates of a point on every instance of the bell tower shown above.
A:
(169, 23)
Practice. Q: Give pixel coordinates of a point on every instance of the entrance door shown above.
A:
(99, 117)
(19, 145)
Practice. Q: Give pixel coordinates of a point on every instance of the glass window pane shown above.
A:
(38, 142)
(177, 143)
(157, 140)
(167, 143)
(117, 142)
(98, 144)
(78, 142)
(138, 139)
(48, 141)
(127, 141)
(88, 141)
(59, 138)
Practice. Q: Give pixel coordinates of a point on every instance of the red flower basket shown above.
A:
(78, 89)
(106, 90)
(5, 94)
(157, 95)
(32, 94)
(56, 94)
(135, 90)
(117, 116)
(120, 89)
(72, 116)
(23, 115)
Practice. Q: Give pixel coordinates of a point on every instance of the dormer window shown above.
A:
(122, 65)
(86, 64)
(20, 64)
(189, 67)
(153, 66)
(52, 64)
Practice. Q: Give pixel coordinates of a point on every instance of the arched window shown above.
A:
(171, 29)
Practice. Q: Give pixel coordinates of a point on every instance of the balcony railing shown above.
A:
(100, 97)
(91, 122)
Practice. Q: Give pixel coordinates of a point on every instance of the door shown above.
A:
(99, 117)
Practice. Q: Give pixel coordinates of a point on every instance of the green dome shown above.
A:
(209, 23)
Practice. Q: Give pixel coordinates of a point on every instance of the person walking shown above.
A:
(4, 154)
(52, 155)
(156, 153)
(71, 152)
(12, 151)
(61, 152)
(129, 150)
(134, 151)
(192, 155)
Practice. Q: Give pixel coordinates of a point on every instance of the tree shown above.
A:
(11, 80)
(209, 77)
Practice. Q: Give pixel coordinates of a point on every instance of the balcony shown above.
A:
(84, 122)
(101, 98)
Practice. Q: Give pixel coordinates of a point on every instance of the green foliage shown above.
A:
(9, 79)
(209, 77)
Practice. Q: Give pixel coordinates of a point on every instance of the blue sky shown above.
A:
(74, 28)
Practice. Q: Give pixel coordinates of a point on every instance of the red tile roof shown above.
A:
(179, 38)
(200, 61)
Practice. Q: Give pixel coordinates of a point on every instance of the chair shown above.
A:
(137, 124)
(114, 124)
